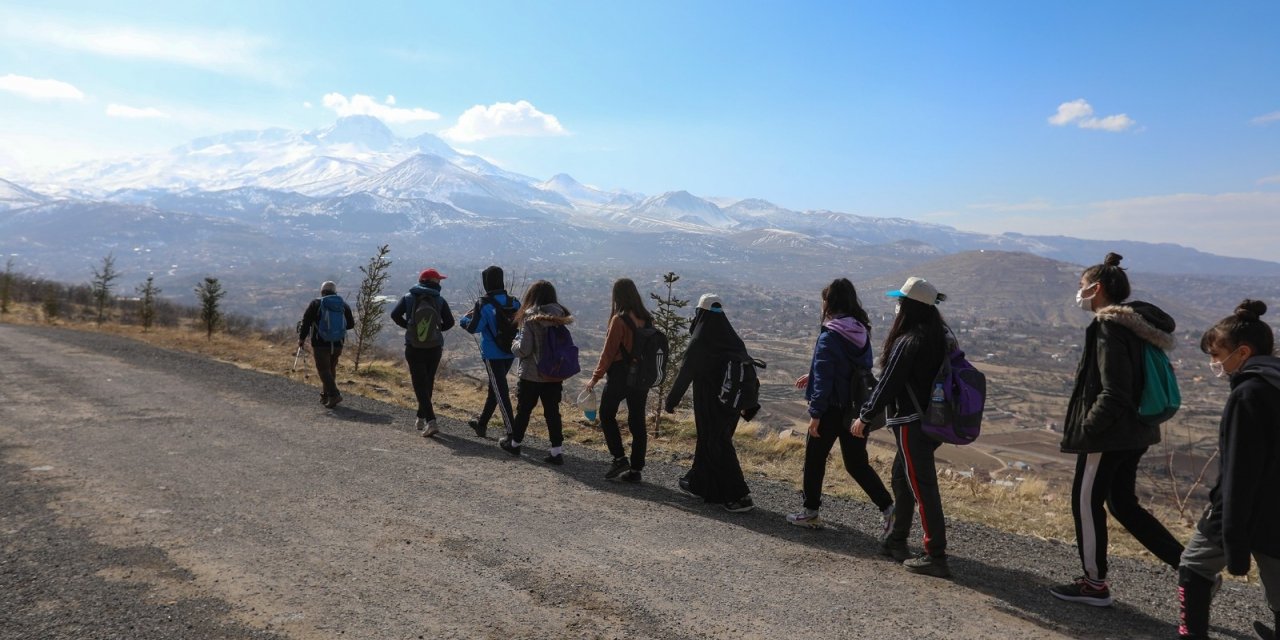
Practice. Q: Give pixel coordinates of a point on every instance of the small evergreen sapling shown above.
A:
(102, 284)
(210, 294)
(676, 326)
(148, 292)
(370, 304)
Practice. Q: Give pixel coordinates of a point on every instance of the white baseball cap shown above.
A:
(708, 300)
(920, 290)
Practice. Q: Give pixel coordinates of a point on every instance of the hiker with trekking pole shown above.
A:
(494, 318)
(326, 320)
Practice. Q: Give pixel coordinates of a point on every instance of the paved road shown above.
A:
(149, 493)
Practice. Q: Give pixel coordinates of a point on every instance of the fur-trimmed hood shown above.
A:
(549, 314)
(1145, 320)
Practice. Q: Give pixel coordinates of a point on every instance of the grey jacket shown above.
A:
(533, 333)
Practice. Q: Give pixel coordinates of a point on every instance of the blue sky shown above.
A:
(1136, 120)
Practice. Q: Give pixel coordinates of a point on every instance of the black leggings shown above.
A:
(615, 392)
(423, 364)
(835, 426)
(528, 395)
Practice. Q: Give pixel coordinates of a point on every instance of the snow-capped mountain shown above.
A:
(13, 196)
(356, 176)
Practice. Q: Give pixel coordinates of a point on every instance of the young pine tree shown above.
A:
(210, 294)
(148, 292)
(369, 302)
(6, 286)
(102, 284)
(667, 320)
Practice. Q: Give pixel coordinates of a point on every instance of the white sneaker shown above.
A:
(807, 518)
(422, 422)
(430, 429)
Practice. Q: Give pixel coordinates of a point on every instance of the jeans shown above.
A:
(615, 392)
(528, 395)
(423, 364)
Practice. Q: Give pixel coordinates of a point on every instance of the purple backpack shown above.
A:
(956, 402)
(559, 358)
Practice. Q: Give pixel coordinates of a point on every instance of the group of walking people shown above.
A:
(1102, 427)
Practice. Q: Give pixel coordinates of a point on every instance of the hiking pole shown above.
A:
(296, 357)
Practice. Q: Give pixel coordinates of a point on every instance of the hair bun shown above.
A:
(1251, 309)
(1112, 260)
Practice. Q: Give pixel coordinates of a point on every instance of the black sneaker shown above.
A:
(686, 488)
(619, 466)
(1263, 630)
(324, 399)
(928, 565)
(556, 459)
(897, 550)
(480, 429)
(631, 476)
(334, 400)
(1084, 591)
(505, 445)
(741, 505)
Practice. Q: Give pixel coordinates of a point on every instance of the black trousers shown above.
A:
(498, 392)
(915, 482)
(615, 392)
(423, 364)
(834, 425)
(528, 395)
(1111, 478)
(326, 357)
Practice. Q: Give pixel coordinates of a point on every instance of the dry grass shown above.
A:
(1031, 507)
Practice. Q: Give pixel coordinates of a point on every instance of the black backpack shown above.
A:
(424, 324)
(504, 317)
(740, 388)
(647, 360)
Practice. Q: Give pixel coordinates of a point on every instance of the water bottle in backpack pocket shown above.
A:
(957, 399)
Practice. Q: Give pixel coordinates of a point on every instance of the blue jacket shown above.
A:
(841, 346)
(405, 306)
(487, 325)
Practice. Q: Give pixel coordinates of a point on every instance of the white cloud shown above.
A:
(1069, 111)
(1037, 204)
(306, 104)
(503, 119)
(1267, 118)
(135, 113)
(1080, 112)
(390, 99)
(362, 105)
(222, 51)
(39, 88)
(1270, 179)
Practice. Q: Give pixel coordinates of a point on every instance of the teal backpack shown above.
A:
(1160, 396)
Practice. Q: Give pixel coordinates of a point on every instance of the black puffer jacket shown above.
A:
(1103, 412)
(1244, 510)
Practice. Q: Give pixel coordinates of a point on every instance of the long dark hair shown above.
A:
(840, 298)
(1115, 283)
(1245, 326)
(626, 298)
(538, 294)
(923, 320)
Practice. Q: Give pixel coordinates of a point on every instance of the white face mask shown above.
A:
(897, 308)
(1219, 367)
(1083, 302)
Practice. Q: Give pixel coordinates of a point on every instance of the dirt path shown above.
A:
(152, 484)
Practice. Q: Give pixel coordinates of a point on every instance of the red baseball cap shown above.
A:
(430, 274)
